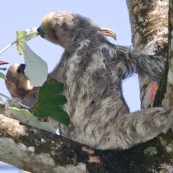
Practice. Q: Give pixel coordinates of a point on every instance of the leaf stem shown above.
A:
(3, 95)
(15, 101)
(8, 46)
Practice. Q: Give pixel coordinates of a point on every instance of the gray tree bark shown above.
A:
(37, 151)
(149, 26)
(168, 100)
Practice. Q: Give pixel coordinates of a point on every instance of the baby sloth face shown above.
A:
(17, 83)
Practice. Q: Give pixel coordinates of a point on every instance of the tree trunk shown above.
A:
(149, 25)
(168, 100)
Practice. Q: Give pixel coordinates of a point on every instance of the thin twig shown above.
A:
(8, 46)
(15, 101)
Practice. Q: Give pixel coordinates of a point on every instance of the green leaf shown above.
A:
(62, 117)
(151, 151)
(36, 68)
(54, 112)
(49, 100)
(25, 116)
(2, 76)
(23, 37)
(59, 99)
(51, 90)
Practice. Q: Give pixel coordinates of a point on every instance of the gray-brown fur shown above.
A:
(92, 70)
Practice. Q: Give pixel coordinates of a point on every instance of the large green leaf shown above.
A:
(50, 100)
(36, 68)
(50, 89)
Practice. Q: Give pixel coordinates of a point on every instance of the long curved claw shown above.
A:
(109, 32)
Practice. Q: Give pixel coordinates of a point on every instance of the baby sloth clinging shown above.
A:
(19, 86)
(92, 70)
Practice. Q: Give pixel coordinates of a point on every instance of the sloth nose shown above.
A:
(40, 31)
(21, 69)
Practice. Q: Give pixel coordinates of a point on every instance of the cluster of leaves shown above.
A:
(50, 98)
(34, 64)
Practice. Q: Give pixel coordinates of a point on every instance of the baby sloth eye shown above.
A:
(21, 69)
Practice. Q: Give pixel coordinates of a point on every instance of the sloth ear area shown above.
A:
(109, 32)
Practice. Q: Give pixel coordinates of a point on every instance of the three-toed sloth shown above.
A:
(92, 70)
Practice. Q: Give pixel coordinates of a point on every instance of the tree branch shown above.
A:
(39, 151)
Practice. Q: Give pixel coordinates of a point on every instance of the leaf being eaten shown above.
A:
(36, 68)
(23, 37)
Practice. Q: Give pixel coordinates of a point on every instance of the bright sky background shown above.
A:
(21, 14)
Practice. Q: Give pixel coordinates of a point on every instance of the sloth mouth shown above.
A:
(40, 31)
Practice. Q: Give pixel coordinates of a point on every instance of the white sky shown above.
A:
(21, 15)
